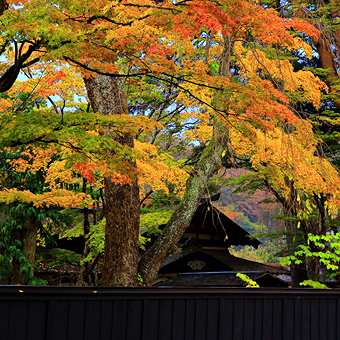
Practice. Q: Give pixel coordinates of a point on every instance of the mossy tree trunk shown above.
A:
(209, 163)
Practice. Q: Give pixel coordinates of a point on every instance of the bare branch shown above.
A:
(93, 18)
(113, 75)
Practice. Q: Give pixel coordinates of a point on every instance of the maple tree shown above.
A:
(240, 126)
(305, 205)
(27, 214)
(229, 66)
(76, 152)
(324, 16)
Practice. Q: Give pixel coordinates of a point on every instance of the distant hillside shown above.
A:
(254, 217)
(239, 204)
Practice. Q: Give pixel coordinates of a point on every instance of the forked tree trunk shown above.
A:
(107, 96)
(28, 238)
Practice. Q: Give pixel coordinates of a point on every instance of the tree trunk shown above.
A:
(107, 96)
(3, 6)
(327, 58)
(209, 163)
(336, 16)
(298, 274)
(84, 275)
(298, 271)
(28, 237)
(328, 54)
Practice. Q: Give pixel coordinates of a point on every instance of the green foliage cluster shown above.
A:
(250, 283)
(42, 127)
(96, 240)
(161, 200)
(58, 256)
(325, 248)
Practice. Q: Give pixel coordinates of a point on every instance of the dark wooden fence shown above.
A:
(168, 313)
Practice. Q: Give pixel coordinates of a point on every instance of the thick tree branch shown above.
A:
(10, 76)
(145, 197)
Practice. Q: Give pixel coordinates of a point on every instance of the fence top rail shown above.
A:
(141, 292)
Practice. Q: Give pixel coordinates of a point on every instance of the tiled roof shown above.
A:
(221, 279)
(233, 263)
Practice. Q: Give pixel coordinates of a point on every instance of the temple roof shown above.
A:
(221, 279)
(209, 220)
(212, 229)
(193, 259)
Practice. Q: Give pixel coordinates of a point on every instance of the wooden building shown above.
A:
(203, 259)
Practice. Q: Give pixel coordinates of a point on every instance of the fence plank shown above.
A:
(37, 317)
(338, 319)
(201, 319)
(119, 320)
(150, 319)
(332, 319)
(306, 318)
(134, 319)
(57, 320)
(268, 319)
(249, 318)
(297, 320)
(324, 315)
(258, 317)
(92, 320)
(165, 319)
(288, 319)
(106, 320)
(189, 332)
(315, 319)
(178, 321)
(213, 319)
(18, 320)
(4, 318)
(76, 324)
(238, 317)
